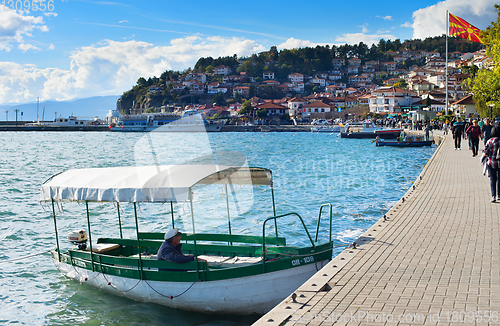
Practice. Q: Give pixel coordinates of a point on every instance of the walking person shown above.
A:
(473, 133)
(486, 130)
(427, 130)
(468, 123)
(492, 163)
(446, 126)
(457, 131)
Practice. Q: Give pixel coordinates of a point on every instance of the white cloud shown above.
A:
(51, 47)
(431, 21)
(293, 43)
(112, 67)
(364, 28)
(385, 17)
(14, 27)
(407, 24)
(368, 39)
(25, 47)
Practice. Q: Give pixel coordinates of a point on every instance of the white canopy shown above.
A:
(146, 183)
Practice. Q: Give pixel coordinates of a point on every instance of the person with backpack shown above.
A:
(492, 155)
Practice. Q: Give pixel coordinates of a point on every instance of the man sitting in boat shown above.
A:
(170, 249)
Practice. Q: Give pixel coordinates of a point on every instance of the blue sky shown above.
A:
(84, 48)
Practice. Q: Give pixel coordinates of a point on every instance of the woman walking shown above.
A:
(473, 132)
(493, 164)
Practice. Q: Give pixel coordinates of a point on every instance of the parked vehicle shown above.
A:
(322, 122)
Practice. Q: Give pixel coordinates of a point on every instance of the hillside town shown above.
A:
(353, 87)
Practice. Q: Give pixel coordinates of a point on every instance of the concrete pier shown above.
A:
(434, 259)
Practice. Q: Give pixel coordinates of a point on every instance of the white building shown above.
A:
(391, 99)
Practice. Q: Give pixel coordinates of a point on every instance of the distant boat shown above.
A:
(190, 121)
(329, 129)
(69, 121)
(406, 141)
(369, 130)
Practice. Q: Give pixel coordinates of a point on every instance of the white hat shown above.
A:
(171, 233)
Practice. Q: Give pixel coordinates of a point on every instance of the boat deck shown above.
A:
(435, 261)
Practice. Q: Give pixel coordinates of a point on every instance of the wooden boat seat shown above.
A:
(220, 261)
(226, 262)
(101, 248)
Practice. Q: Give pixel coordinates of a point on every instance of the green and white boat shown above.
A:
(245, 274)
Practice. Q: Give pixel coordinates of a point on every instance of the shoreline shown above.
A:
(105, 128)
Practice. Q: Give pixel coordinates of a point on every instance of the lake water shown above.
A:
(360, 180)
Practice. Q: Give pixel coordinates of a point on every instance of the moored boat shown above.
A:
(245, 273)
(189, 121)
(369, 130)
(328, 129)
(405, 141)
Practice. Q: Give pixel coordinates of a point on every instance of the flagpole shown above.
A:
(446, 68)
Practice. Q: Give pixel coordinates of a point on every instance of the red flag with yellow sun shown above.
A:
(461, 28)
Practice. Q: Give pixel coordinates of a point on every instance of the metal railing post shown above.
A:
(55, 227)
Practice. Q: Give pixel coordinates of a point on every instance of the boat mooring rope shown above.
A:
(114, 287)
(170, 296)
(86, 279)
(24, 257)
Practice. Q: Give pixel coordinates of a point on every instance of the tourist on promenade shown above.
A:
(446, 126)
(427, 130)
(468, 123)
(481, 122)
(493, 165)
(486, 130)
(473, 133)
(457, 131)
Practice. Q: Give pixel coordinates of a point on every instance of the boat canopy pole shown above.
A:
(55, 227)
(228, 213)
(138, 242)
(90, 235)
(172, 211)
(194, 233)
(119, 219)
(274, 210)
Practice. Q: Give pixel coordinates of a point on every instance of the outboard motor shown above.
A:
(79, 238)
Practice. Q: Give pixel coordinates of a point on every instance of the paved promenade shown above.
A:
(434, 261)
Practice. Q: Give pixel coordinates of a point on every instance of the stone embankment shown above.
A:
(432, 259)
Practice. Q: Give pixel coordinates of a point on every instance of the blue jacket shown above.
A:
(458, 128)
(173, 254)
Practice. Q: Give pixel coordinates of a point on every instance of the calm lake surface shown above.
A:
(360, 180)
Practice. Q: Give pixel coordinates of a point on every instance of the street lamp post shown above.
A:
(6, 115)
(491, 105)
(16, 110)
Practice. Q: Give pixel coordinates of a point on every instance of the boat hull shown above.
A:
(363, 135)
(405, 143)
(335, 129)
(170, 128)
(255, 294)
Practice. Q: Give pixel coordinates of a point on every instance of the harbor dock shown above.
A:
(432, 259)
(225, 128)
